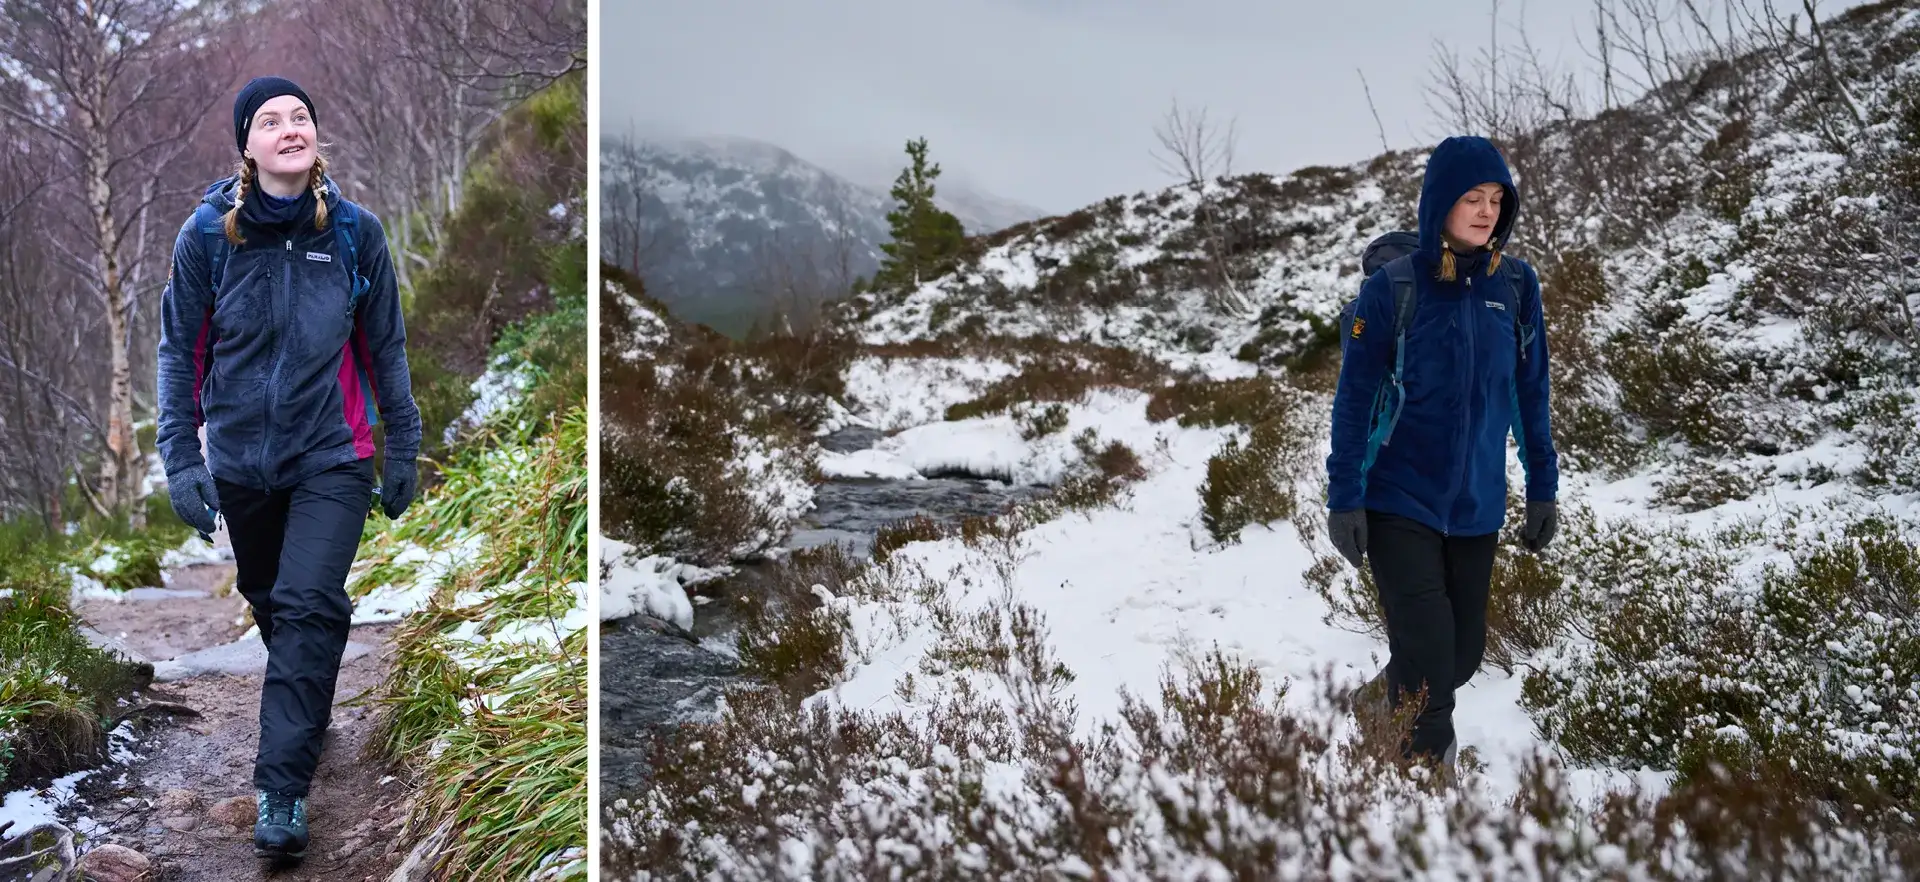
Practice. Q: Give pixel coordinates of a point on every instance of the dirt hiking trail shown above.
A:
(185, 801)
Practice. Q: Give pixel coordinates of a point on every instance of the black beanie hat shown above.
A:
(258, 91)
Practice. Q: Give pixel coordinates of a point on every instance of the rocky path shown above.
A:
(182, 808)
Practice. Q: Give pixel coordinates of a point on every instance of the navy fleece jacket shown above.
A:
(274, 356)
(1444, 461)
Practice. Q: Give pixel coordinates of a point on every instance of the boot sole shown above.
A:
(276, 854)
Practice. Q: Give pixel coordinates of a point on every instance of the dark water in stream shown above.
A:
(653, 677)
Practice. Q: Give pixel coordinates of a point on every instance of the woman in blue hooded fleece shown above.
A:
(1418, 473)
(280, 332)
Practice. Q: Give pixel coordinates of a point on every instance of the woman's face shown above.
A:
(1470, 224)
(281, 137)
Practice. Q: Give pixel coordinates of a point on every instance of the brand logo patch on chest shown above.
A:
(321, 256)
(1495, 304)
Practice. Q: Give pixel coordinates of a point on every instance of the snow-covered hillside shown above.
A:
(1129, 684)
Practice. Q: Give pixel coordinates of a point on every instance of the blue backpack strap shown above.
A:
(1515, 272)
(1405, 288)
(344, 231)
(213, 231)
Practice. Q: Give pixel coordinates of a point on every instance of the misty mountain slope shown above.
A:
(726, 221)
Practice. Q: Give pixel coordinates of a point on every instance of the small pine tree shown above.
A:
(925, 239)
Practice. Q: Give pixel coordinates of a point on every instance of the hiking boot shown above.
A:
(281, 831)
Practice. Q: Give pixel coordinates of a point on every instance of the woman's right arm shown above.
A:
(1366, 353)
(186, 331)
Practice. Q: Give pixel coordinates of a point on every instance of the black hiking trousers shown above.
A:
(292, 549)
(1433, 590)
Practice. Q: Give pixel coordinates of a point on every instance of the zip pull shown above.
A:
(289, 246)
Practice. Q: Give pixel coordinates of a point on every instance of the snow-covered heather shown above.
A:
(632, 584)
(776, 480)
(649, 330)
(1130, 590)
(899, 393)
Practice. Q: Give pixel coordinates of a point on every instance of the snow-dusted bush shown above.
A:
(1217, 778)
(1813, 667)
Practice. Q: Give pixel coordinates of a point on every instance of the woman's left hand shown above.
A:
(1543, 520)
(398, 486)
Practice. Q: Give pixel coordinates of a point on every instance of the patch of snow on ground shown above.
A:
(501, 388)
(991, 447)
(195, 551)
(29, 808)
(899, 393)
(391, 603)
(85, 587)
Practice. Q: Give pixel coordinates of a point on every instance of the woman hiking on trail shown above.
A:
(280, 330)
(1418, 473)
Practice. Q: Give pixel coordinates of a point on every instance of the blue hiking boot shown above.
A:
(281, 831)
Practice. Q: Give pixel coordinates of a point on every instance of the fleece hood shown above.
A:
(1459, 164)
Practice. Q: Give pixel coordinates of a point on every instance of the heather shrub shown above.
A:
(1810, 666)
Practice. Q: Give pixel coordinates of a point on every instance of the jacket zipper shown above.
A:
(1466, 424)
(273, 375)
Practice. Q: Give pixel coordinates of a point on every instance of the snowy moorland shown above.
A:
(1714, 672)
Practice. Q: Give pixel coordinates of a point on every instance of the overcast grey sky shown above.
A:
(1050, 102)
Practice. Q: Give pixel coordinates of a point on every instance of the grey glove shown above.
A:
(1543, 520)
(397, 488)
(1348, 529)
(191, 492)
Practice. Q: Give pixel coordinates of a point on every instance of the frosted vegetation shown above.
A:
(1713, 673)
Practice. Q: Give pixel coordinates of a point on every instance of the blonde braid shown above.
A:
(317, 181)
(245, 174)
(1446, 264)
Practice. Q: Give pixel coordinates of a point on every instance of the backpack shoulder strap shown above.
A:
(1400, 273)
(213, 231)
(346, 232)
(1518, 275)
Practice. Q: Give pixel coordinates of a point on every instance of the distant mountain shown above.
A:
(728, 226)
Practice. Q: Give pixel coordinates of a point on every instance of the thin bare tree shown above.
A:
(120, 86)
(1197, 153)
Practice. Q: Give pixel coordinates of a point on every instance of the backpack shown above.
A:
(213, 228)
(1393, 252)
